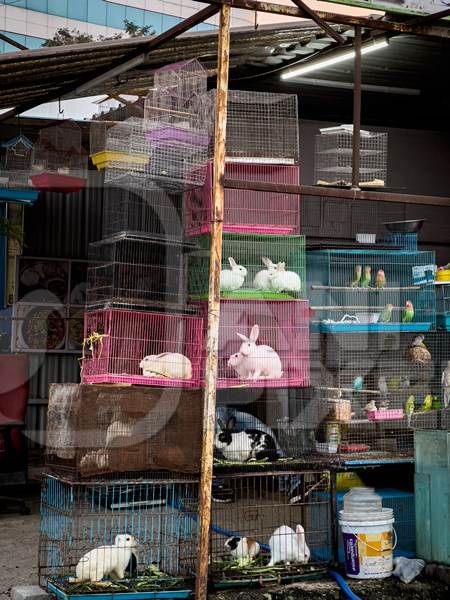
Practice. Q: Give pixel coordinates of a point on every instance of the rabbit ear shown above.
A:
(281, 266)
(267, 261)
(232, 261)
(300, 532)
(243, 337)
(254, 333)
(231, 423)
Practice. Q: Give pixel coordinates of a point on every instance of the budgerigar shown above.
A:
(370, 406)
(446, 384)
(386, 314)
(427, 403)
(367, 277)
(384, 392)
(380, 279)
(408, 312)
(358, 273)
(409, 408)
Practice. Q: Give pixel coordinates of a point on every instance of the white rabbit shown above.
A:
(261, 280)
(106, 560)
(168, 364)
(261, 361)
(237, 361)
(281, 280)
(287, 545)
(243, 547)
(233, 279)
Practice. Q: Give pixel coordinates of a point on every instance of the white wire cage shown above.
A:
(176, 123)
(15, 162)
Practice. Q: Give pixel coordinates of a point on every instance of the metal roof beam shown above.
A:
(130, 60)
(312, 14)
(431, 18)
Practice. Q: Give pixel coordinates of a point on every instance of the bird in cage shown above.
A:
(384, 392)
(232, 279)
(446, 384)
(244, 549)
(408, 312)
(417, 352)
(370, 407)
(427, 403)
(409, 408)
(386, 314)
(288, 546)
(367, 277)
(380, 279)
(357, 277)
(106, 561)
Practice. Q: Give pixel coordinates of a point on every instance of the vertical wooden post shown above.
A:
(209, 411)
(356, 155)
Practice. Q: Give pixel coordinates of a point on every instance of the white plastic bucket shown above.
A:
(368, 543)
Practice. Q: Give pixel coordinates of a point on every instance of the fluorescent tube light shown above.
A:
(309, 67)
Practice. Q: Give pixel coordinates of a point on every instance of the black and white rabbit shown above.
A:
(242, 446)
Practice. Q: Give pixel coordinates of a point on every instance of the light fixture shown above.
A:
(336, 58)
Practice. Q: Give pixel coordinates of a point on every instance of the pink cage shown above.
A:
(247, 211)
(117, 341)
(283, 325)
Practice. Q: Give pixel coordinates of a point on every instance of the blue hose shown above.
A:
(343, 585)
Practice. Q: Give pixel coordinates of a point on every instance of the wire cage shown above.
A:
(176, 123)
(268, 528)
(142, 348)
(126, 271)
(334, 159)
(281, 333)
(367, 391)
(142, 213)
(254, 267)
(93, 430)
(371, 290)
(150, 527)
(15, 162)
(262, 127)
(443, 305)
(128, 152)
(59, 161)
(247, 211)
(405, 241)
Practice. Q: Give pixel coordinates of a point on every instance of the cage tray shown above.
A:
(385, 415)
(103, 159)
(248, 295)
(257, 229)
(443, 321)
(141, 380)
(372, 327)
(168, 135)
(116, 595)
(56, 182)
(19, 195)
(258, 383)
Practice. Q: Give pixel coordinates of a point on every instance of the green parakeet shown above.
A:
(427, 403)
(380, 279)
(409, 408)
(367, 277)
(386, 314)
(358, 273)
(408, 312)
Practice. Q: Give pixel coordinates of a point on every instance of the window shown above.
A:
(169, 21)
(78, 10)
(135, 15)
(155, 20)
(39, 5)
(97, 12)
(115, 15)
(33, 42)
(57, 8)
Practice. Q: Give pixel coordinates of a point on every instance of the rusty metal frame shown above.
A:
(312, 14)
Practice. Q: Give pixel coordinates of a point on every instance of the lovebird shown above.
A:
(409, 408)
(386, 314)
(380, 279)
(427, 403)
(358, 383)
(358, 273)
(367, 277)
(446, 384)
(408, 312)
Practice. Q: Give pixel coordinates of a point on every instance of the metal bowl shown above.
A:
(412, 226)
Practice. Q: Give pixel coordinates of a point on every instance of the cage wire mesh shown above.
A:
(254, 267)
(247, 211)
(59, 161)
(271, 527)
(176, 124)
(15, 162)
(136, 272)
(95, 431)
(443, 305)
(142, 213)
(280, 330)
(262, 127)
(151, 526)
(142, 348)
(371, 290)
(367, 391)
(334, 159)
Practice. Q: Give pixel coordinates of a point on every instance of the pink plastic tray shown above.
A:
(385, 415)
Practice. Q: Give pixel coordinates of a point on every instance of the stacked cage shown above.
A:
(334, 157)
(15, 169)
(59, 161)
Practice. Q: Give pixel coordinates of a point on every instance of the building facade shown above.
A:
(31, 22)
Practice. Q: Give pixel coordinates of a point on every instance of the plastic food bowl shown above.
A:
(412, 226)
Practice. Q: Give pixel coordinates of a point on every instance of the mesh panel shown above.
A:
(58, 150)
(15, 162)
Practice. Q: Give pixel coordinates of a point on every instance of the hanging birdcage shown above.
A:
(59, 161)
(15, 166)
(176, 123)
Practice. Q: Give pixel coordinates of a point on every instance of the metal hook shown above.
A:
(256, 19)
(60, 109)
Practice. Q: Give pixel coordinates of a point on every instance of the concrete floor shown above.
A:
(19, 536)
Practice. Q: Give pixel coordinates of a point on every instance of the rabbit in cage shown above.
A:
(255, 362)
(232, 279)
(262, 278)
(242, 446)
(243, 548)
(287, 545)
(281, 280)
(170, 365)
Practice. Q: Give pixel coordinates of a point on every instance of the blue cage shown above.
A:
(77, 518)
(352, 290)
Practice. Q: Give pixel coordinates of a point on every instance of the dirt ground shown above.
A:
(19, 537)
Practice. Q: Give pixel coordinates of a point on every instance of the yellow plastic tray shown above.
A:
(102, 159)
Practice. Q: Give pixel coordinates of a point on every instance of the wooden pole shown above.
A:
(356, 153)
(209, 411)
